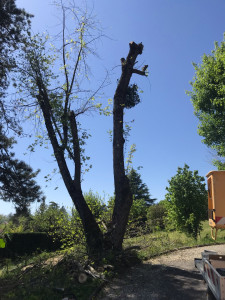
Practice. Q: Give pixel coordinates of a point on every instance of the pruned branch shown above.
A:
(136, 48)
(139, 72)
(123, 61)
(142, 71)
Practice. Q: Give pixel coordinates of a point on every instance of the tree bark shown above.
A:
(92, 231)
(123, 195)
(123, 198)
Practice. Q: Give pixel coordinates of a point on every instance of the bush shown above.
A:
(137, 218)
(156, 216)
(18, 223)
(138, 211)
(26, 243)
(96, 205)
(66, 228)
(186, 200)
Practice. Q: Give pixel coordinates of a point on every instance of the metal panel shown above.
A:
(212, 278)
(222, 287)
(213, 273)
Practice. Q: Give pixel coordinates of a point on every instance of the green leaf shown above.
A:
(2, 243)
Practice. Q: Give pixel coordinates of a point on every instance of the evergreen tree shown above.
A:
(14, 25)
(138, 188)
(17, 182)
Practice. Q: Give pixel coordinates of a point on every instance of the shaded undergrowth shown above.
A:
(45, 276)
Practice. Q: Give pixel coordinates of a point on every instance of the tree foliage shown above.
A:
(14, 22)
(208, 98)
(17, 179)
(57, 223)
(66, 227)
(156, 216)
(138, 188)
(14, 25)
(187, 201)
(132, 97)
(96, 205)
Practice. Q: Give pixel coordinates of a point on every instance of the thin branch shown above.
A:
(99, 88)
(64, 58)
(75, 69)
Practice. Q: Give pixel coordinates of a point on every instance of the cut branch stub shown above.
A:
(82, 278)
(136, 47)
(135, 50)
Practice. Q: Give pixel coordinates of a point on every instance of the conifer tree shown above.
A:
(17, 179)
(14, 26)
(138, 188)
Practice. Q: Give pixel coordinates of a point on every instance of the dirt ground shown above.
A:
(172, 277)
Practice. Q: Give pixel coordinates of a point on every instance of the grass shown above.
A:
(37, 277)
(162, 241)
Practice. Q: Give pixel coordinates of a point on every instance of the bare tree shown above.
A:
(56, 99)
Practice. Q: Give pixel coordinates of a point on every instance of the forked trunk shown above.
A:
(92, 231)
(59, 141)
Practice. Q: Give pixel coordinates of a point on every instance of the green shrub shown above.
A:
(2, 243)
(137, 218)
(186, 200)
(27, 243)
(96, 205)
(66, 227)
(156, 216)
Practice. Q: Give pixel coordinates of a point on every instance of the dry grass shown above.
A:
(160, 242)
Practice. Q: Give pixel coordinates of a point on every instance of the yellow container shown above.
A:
(216, 200)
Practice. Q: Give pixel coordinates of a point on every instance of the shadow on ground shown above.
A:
(157, 282)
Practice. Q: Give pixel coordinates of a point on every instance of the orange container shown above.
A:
(216, 200)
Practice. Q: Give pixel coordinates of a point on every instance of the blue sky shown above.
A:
(174, 33)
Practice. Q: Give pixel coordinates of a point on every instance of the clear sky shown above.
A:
(174, 33)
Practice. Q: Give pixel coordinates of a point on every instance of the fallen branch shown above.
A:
(91, 271)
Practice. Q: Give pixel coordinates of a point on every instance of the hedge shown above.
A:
(27, 243)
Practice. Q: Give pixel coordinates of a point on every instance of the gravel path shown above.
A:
(172, 277)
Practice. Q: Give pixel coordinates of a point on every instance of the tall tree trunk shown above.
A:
(123, 195)
(92, 231)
